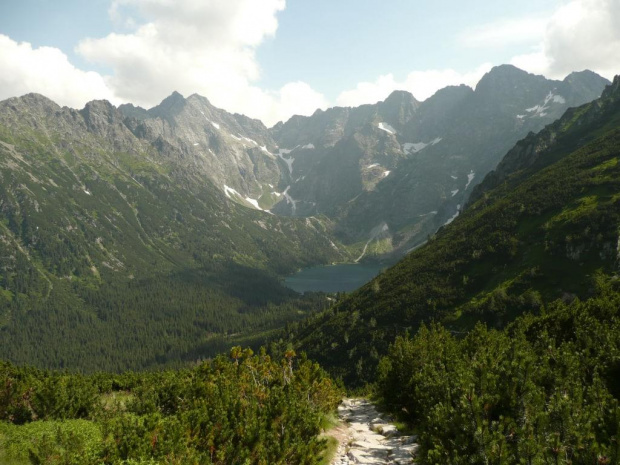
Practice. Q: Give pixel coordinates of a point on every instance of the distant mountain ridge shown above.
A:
(544, 226)
(403, 166)
(113, 235)
(122, 227)
(411, 165)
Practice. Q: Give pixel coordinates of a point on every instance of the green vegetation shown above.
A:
(545, 390)
(515, 309)
(240, 409)
(331, 448)
(541, 235)
(114, 256)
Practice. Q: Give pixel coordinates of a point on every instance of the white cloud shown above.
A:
(504, 32)
(208, 47)
(581, 34)
(197, 46)
(46, 70)
(296, 98)
(422, 84)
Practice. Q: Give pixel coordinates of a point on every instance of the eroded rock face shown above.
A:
(371, 438)
(412, 165)
(233, 151)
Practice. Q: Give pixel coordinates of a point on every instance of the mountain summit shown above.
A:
(543, 226)
(411, 166)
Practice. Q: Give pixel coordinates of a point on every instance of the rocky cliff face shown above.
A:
(151, 188)
(118, 235)
(535, 151)
(412, 165)
(402, 166)
(233, 151)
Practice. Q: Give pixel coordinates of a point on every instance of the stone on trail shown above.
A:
(371, 438)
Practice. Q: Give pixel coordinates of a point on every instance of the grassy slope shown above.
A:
(539, 236)
(115, 256)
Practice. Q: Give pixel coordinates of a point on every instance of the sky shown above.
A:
(270, 59)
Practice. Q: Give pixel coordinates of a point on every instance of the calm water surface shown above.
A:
(332, 278)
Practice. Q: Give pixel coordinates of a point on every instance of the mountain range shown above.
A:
(387, 175)
(163, 233)
(114, 241)
(542, 227)
(390, 174)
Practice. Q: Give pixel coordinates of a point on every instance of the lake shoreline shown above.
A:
(339, 277)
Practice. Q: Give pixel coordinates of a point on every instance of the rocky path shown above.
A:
(366, 437)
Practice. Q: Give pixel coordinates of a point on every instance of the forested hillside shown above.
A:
(544, 390)
(116, 252)
(539, 236)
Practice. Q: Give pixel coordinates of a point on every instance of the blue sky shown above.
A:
(271, 58)
(336, 44)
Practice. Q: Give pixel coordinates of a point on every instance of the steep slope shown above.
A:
(336, 154)
(408, 167)
(540, 236)
(117, 251)
(233, 151)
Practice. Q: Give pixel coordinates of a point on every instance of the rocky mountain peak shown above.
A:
(398, 108)
(502, 79)
(39, 100)
(33, 102)
(98, 114)
(170, 106)
(133, 111)
(584, 82)
(195, 97)
(400, 98)
(448, 97)
(613, 89)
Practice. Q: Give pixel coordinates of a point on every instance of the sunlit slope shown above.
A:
(541, 234)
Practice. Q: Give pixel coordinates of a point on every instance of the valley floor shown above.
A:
(367, 437)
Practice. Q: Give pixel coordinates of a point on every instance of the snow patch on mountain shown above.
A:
(288, 161)
(229, 190)
(289, 200)
(253, 202)
(541, 110)
(454, 192)
(387, 128)
(264, 149)
(470, 178)
(385, 174)
(458, 212)
(308, 147)
(215, 125)
(415, 147)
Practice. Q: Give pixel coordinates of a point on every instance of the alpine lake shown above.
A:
(345, 277)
